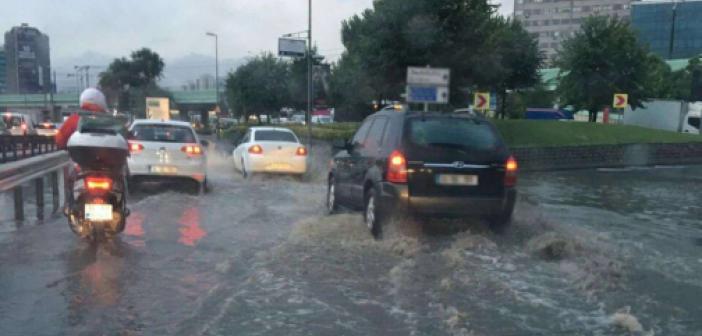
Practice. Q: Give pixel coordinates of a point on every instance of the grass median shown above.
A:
(521, 133)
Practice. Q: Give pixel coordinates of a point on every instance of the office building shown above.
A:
(3, 68)
(28, 63)
(553, 21)
(671, 29)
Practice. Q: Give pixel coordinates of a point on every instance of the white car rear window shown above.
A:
(162, 133)
(271, 135)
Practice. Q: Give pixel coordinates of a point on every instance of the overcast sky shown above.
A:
(176, 28)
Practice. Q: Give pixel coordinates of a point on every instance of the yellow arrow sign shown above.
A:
(481, 101)
(621, 100)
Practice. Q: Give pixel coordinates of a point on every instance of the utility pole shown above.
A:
(52, 88)
(310, 84)
(216, 65)
(87, 75)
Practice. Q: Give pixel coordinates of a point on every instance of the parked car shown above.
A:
(19, 124)
(297, 119)
(46, 129)
(428, 164)
(166, 149)
(270, 150)
(322, 119)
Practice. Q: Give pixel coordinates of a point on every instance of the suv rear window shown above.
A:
(162, 133)
(275, 136)
(447, 135)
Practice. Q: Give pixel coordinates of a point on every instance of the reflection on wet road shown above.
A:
(591, 252)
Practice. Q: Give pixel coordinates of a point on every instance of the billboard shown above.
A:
(291, 47)
(158, 108)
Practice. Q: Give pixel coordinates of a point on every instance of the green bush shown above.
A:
(328, 132)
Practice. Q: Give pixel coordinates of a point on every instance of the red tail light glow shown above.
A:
(191, 150)
(397, 168)
(256, 149)
(95, 183)
(301, 151)
(511, 168)
(135, 147)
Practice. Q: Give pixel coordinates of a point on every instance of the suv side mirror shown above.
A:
(339, 144)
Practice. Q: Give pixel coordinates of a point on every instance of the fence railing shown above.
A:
(14, 175)
(14, 148)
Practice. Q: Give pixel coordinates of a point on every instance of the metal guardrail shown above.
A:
(14, 148)
(14, 175)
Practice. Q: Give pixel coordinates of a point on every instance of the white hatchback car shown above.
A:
(169, 149)
(270, 150)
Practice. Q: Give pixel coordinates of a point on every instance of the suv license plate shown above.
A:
(98, 212)
(456, 180)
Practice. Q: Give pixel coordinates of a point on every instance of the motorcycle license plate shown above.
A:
(98, 212)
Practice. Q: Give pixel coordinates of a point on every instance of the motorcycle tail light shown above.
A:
(98, 184)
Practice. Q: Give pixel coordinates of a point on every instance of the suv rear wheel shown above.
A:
(372, 215)
(499, 223)
(332, 205)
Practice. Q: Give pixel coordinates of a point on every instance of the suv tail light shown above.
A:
(511, 168)
(191, 150)
(98, 184)
(256, 149)
(135, 147)
(397, 168)
(301, 151)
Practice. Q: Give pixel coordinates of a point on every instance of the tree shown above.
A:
(127, 81)
(298, 81)
(395, 34)
(686, 84)
(517, 59)
(351, 91)
(259, 86)
(603, 58)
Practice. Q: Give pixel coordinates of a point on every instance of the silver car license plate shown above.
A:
(456, 180)
(98, 212)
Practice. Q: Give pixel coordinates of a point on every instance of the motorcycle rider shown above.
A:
(91, 100)
(93, 114)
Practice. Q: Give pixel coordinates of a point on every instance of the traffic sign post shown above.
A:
(481, 101)
(621, 101)
(428, 86)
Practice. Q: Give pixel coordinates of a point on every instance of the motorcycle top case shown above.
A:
(98, 151)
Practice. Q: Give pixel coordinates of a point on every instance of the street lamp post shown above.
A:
(309, 72)
(216, 64)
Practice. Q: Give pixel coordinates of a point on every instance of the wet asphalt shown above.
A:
(595, 252)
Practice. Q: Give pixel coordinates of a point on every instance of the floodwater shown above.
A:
(608, 252)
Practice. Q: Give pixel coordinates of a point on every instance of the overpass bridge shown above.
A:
(185, 100)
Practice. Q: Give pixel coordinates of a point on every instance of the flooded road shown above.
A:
(609, 252)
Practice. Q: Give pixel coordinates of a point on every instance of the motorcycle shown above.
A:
(97, 207)
(100, 208)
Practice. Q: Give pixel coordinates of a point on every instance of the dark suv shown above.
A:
(428, 164)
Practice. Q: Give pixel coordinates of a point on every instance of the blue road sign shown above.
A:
(422, 94)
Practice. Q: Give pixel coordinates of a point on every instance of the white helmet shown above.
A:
(93, 100)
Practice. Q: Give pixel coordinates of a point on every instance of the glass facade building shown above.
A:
(657, 22)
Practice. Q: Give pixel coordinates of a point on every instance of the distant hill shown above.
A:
(178, 70)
